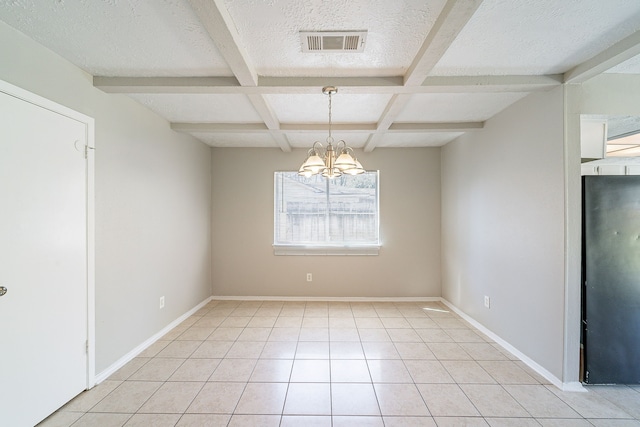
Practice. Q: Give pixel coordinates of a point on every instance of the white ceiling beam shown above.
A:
(270, 119)
(393, 108)
(215, 18)
(623, 50)
(454, 16)
(311, 85)
(322, 127)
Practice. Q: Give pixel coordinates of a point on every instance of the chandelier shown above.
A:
(331, 161)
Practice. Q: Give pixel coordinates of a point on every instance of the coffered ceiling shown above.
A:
(233, 73)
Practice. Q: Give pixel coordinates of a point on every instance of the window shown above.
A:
(317, 215)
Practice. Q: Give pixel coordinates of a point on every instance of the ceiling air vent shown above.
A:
(333, 41)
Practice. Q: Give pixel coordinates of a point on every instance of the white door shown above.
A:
(43, 261)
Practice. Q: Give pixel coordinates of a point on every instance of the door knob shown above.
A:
(3, 290)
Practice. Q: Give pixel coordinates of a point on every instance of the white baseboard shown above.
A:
(572, 386)
(342, 299)
(143, 346)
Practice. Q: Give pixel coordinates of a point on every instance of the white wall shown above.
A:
(243, 261)
(153, 189)
(503, 226)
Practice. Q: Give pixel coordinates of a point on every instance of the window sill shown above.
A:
(326, 250)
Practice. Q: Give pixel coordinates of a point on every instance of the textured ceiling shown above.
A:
(232, 72)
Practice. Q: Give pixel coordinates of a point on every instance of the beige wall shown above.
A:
(503, 226)
(243, 261)
(152, 189)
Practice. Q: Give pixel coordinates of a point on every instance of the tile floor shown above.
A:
(269, 363)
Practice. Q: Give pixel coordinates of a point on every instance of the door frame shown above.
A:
(89, 123)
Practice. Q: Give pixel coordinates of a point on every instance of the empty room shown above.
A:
(320, 213)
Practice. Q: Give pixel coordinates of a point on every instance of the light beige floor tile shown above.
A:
(315, 322)
(102, 420)
(374, 334)
(389, 371)
(354, 399)
(433, 335)
(357, 421)
(395, 323)
(235, 322)
(467, 372)
(305, 421)
(212, 350)
(279, 350)
(414, 350)
(450, 323)
(316, 312)
(312, 350)
(268, 312)
(404, 335)
(590, 405)
(625, 397)
(540, 402)
(310, 371)
(129, 368)
(352, 371)
(233, 370)
(204, 420)
(614, 422)
(175, 333)
(368, 323)
(179, 349)
(448, 351)
(460, 422)
(308, 399)
(255, 421)
(380, 350)
(409, 422)
(344, 334)
(255, 334)
(128, 397)
(345, 350)
(225, 334)
(195, 333)
(314, 334)
(507, 372)
(464, 335)
(493, 401)
(172, 398)
(61, 419)
(288, 322)
(400, 399)
(512, 422)
(284, 334)
(244, 312)
(217, 398)
(262, 398)
(556, 422)
(262, 322)
(195, 370)
(88, 399)
(245, 350)
(155, 420)
(363, 312)
(210, 321)
(428, 371)
(447, 400)
(342, 322)
(422, 323)
(292, 311)
(272, 370)
(154, 349)
(388, 312)
(157, 369)
(482, 351)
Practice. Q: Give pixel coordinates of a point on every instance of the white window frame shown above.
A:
(325, 248)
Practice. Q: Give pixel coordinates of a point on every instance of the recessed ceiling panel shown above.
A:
(120, 38)
(306, 139)
(254, 140)
(269, 31)
(200, 107)
(537, 37)
(417, 139)
(456, 107)
(315, 108)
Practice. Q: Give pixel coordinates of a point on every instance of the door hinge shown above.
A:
(86, 346)
(86, 151)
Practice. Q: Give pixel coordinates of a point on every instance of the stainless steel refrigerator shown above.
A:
(611, 279)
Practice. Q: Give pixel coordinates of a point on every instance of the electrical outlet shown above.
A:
(162, 302)
(487, 302)
(309, 277)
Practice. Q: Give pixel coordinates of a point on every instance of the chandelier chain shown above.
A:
(330, 138)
